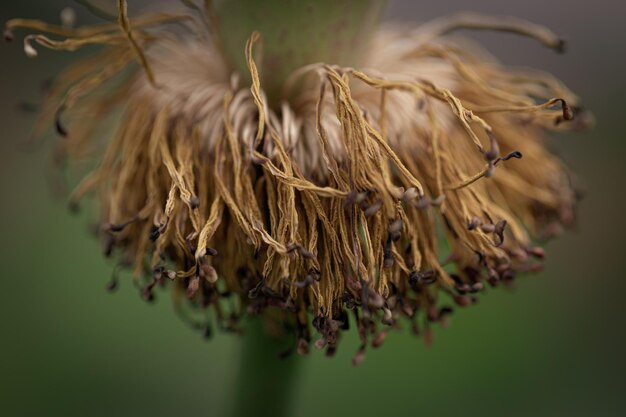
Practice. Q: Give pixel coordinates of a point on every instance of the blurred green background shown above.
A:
(552, 347)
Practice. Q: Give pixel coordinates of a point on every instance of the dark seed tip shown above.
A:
(116, 227)
(208, 332)
(73, 207)
(154, 233)
(111, 286)
(514, 154)
(568, 113)
(61, 130)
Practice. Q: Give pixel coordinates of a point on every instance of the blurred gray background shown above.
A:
(552, 347)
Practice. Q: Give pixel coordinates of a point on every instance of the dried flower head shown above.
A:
(386, 193)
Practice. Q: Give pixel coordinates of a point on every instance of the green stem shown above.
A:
(295, 33)
(265, 383)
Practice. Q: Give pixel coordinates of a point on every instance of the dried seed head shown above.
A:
(316, 209)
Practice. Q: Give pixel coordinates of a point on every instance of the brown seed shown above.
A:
(157, 273)
(147, 295)
(303, 347)
(422, 203)
(111, 227)
(395, 226)
(438, 201)
(320, 343)
(535, 267)
(474, 223)
(359, 357)
(112, 284)
(360, 197)
(154, 233)
(415, 329)
(462, 301)
(331, 351)
(428, 336)
(493, 153)
(537, 252)
(306, 254)
(410, 194)
(493, 274)
(519, 254)
(426, 277)
(463, 288)
(373, 208)
(387, 317)
(8, 36)
(379, 339)
(499, 232)
(375, 300)
(568, 114)
(209, 273)
(354, 197)
(408, 310)
(433, 313)
(192, 288)
(308, 280)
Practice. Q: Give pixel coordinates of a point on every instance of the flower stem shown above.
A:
(265, 382)
(296, 33)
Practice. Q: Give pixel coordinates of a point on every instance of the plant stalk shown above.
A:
(295, 33)
(265, 382)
